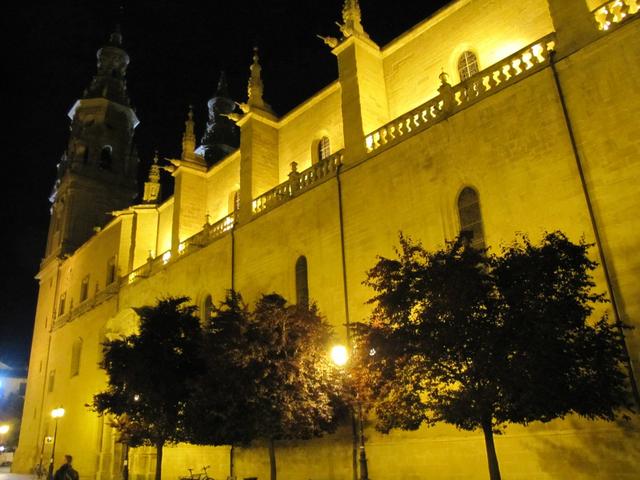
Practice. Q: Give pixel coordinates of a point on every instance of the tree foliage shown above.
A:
(219, 406)
(150, 373)
(479, 340)
(296, 389)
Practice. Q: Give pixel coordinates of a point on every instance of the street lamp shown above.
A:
(4, 429)
(340, 357)
(56, 414)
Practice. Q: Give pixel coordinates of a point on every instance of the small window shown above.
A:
(105, 157)
(470, 217)
(207, 307)
(111, 271)
(84, 289)
(324, 148)
(302, 283)
(61, 304)
(467, 65)
(76, 354)
(52, 381)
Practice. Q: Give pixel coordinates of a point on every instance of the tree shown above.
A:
(149, 375)
(479, 341)
(218, 413)
(296, 388)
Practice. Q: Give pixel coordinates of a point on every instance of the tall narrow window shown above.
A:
(111, 271)
(470, 217)
(467, 65)
(76, 354)
(207, 307)
(52, 381)
(105, 157)
(302, 283)
(84, 289)
(62, 304)
(324, 148)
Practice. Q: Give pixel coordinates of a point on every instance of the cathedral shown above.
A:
(494, 117)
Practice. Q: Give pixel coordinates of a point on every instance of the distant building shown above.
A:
(13, 384)
(466, 122)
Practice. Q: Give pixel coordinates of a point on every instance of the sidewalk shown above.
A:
(5, 475)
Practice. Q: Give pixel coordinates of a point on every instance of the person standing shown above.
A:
(66, 471)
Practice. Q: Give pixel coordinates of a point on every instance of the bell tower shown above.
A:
(97, 172)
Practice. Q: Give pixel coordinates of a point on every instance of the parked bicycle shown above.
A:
(205, 475)
(198, 476)
(39, 472)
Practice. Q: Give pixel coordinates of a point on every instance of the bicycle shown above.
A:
(206, 475)
(191, 476)
(39, 472)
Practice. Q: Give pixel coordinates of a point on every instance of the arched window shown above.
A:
(207, 308)
(467, 65)
(62, 304)
(111, 271)
(470, 217)
(302, 283)
(84, 289)
(76, 353)
(324, 148)
(105, 157)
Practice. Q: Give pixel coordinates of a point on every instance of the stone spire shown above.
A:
(256, 87)
(352, 20)
(152, 185)
(222, 135)
(109, 80)
(189, 138)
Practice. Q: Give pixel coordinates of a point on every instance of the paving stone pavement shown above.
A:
(5, 474)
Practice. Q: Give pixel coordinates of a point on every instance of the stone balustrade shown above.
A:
(615, 11)
(86, 305)
(452, 99)
(208, 234)
(297, 183)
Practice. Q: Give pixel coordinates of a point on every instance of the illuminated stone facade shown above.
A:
(547, 141)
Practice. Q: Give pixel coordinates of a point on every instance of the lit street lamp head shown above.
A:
(339, 355)
(57, 412)
(4, 429)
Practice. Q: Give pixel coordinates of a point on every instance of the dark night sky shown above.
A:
(177, 50)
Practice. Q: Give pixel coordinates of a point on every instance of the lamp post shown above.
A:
(340, 357)
(56, 414)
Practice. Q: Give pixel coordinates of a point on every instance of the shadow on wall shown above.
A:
(597, 451)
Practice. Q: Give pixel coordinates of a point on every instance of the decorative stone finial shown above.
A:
(189, 138)
(152, 186)
(255, 88)
(444, 78)
(352, 20)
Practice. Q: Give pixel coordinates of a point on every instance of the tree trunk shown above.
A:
(354, 441)
(272, 458)
(125, 463)
(492, 458)
(232, 463)
(159, 446)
